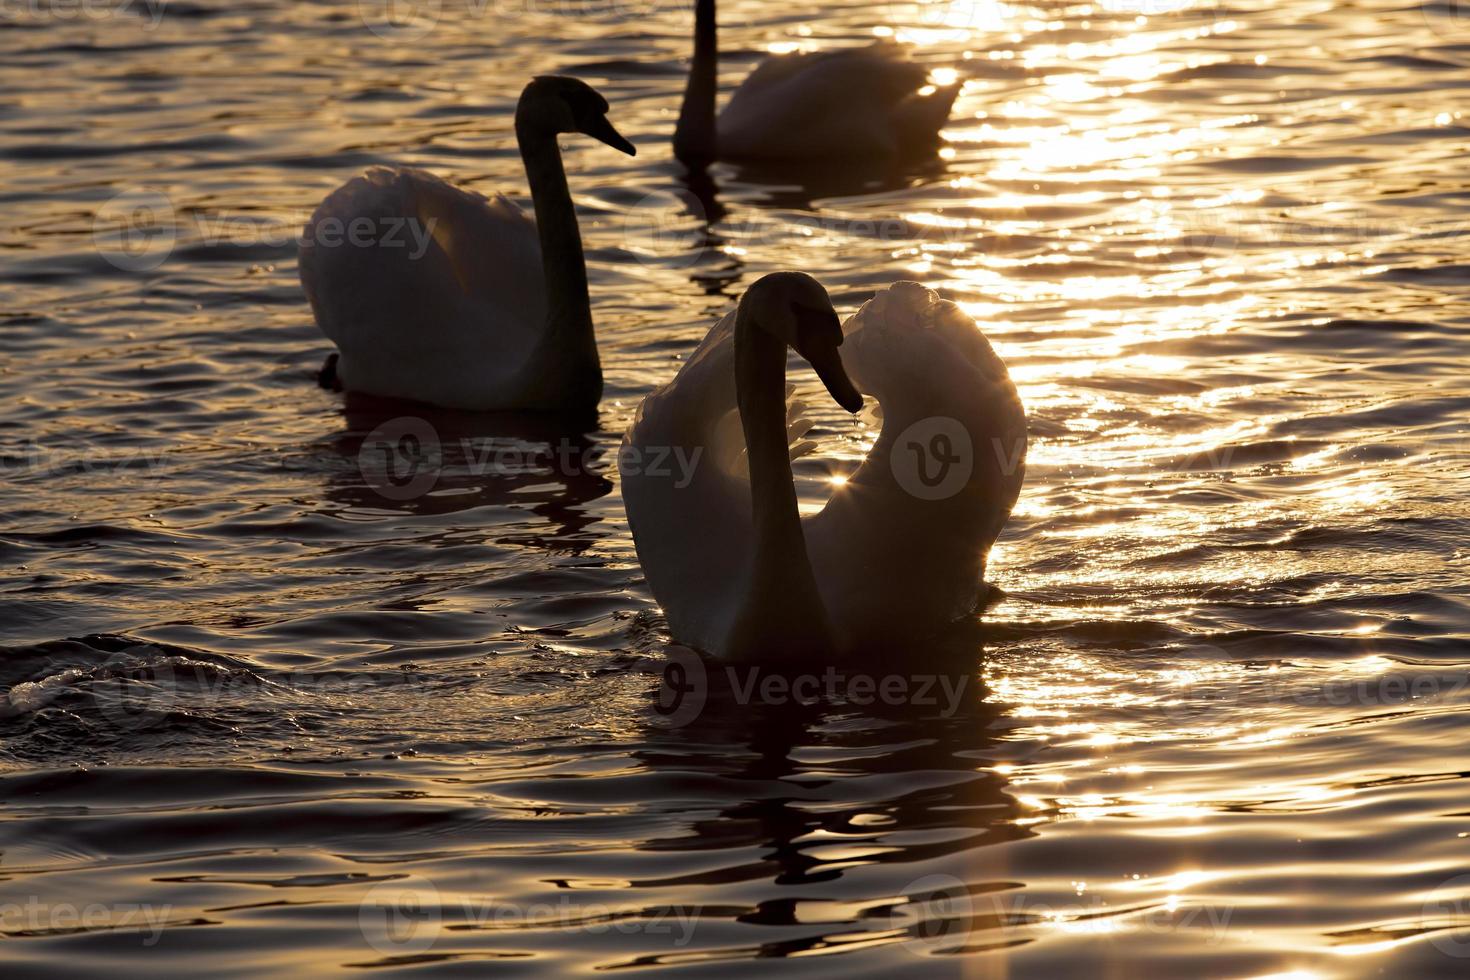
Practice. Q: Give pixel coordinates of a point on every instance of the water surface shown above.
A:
(263, 717)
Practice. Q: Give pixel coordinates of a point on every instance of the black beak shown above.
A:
(828, 365)
(819, 334)
(601, 129)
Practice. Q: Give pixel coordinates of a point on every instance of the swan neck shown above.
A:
(782, 586)
(567, 341)
(694, 135)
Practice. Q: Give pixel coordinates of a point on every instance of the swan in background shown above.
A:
(899, 550)
(471, 304)
(858, 102)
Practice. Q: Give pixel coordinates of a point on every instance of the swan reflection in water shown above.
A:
(780, 183)
(705, 196)
(417, 459)
(866, 822)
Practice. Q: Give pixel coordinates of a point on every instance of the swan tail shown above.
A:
(327, 376)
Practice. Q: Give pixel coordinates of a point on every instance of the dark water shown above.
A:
(264, 715)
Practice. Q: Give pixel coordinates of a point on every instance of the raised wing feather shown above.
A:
(694, 538)
(939, 483)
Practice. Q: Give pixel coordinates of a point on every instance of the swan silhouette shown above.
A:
(492, 312)
(869, 102)
(899, 551)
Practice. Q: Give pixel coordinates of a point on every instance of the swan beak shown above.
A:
(828, 365)
(603, 130)
(818, 335)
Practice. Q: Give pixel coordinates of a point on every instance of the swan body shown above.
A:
(855, 102)
(739, 573)
(451, 298)
(871, 102)
(453, 327)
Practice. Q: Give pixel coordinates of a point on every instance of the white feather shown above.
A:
(449, 326)
(857, 102)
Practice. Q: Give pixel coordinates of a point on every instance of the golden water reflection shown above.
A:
(1220, 248)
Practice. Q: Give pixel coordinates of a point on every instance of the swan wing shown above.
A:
(686, 490)
(687, 496)
(857, 100)
(900, 549)
(429, 292)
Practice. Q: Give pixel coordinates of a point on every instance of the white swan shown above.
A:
(896, 554)
(445, 297)
(868, 102)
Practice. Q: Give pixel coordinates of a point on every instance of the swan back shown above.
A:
(857, 101)
(445, 294)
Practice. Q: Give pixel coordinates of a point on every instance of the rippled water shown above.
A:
(265, 717)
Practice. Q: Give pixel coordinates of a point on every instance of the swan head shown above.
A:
(555, 104)
(796, 309)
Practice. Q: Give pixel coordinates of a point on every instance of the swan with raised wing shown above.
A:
(867, 102)
(439, 295)
(899, 551)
